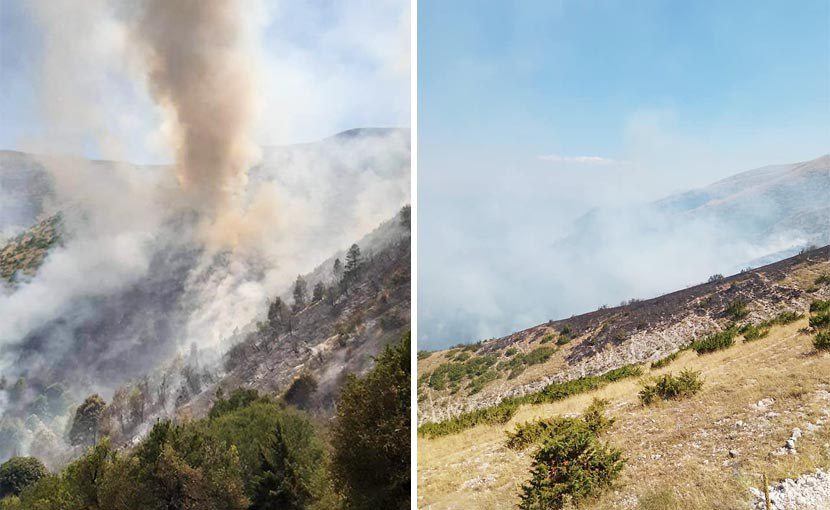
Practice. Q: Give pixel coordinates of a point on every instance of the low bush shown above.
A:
(784, 318)
(715, 342)
(536, 432)
(539, 355)
(822, 279)
(502, 412)
(664, 362)
(822, 341)
(820, 306)
(669, 387)
(454, 371)
(820, 320)
(753, 332)
(737, 310)
(568, 469)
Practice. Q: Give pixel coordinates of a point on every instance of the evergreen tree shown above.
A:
(352, 267)
(85, 425)
(292, 475)
(319, 291)
(279, 316)
(337, 270)
(300, 292)
(405, 217)
(374, 468)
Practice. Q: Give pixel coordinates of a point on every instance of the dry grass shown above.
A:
(678, 452)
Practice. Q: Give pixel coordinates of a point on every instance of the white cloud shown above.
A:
(583, 160)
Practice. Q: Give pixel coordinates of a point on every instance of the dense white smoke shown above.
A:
(155, 258)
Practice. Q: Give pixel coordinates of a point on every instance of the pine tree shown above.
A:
(300, 292)
(319, 291)
(85, 425)
(337, 270)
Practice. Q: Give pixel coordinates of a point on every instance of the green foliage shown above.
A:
(753, 332)
(668, 387)
(183, 463)
(18, 473)
(715, 342)
(292, 472)
(502, 412)
(538, 355)
(737, 310)
(784, 318)
(820, 306)
(822, 341)
(455, 371)
(819, 320)
(822, 279)
(593, 420)
(424, 354)
(370, 436)
(510, 352)
(563, 339)
(568, 469)
(86, 422)
(238, 399)
(664, 362)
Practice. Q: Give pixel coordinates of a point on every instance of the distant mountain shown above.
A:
(777, 210)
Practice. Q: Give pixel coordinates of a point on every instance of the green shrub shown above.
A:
(820, 306)
(536, 432)
(664, 362)
(562, 340)
(454, 372)
(424, 354)
(539, 355)
(546, 339)
(502, 412)
(753, 332)
(715, 342)
(822, 341)
(784, 318)
(516, 372)
(820, 320)
(18, 473)
(822, 279)
(569, 469)
(512, 351)
(669, 387)
(737, 310)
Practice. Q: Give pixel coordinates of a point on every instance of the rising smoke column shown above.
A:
(199, 72)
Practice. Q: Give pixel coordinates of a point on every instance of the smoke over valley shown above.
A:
(117, 273)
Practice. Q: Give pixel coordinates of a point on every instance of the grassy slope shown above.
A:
(667, 322)
(682, 446)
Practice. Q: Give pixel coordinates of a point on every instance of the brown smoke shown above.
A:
(200, 74)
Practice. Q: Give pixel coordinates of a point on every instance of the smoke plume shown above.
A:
(200, 73)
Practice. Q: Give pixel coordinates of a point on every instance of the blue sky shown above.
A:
(532, 113)
(567, 75)
(327, 66)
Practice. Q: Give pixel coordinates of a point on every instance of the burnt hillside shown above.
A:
(482, 374)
